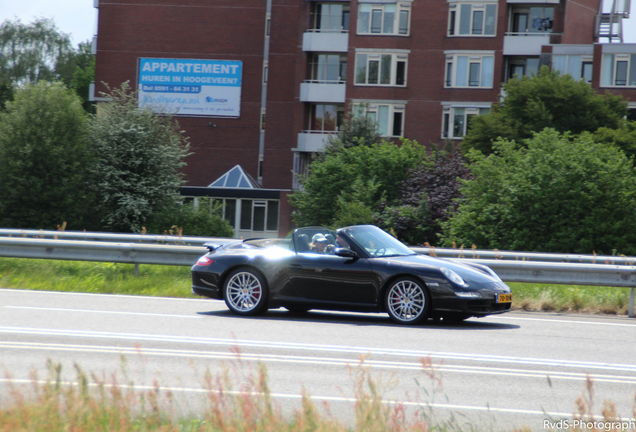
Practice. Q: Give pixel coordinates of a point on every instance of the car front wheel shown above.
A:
(245, 292)
(407, 301)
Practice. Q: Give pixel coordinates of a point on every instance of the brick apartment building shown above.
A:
(419, 68)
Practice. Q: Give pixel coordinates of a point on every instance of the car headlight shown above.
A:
(453, 277)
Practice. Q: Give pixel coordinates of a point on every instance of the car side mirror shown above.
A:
(345, 253)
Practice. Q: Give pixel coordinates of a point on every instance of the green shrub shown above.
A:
(560, 194)
(186, 219)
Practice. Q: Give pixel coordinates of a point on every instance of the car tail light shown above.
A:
(205, 261)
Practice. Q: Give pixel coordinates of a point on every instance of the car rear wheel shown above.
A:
(407, 301)
(245, 292)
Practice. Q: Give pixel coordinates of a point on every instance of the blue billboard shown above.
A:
(191, 87)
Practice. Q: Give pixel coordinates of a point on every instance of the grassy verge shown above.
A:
(174, 281)
(93, 277)
(238, 399)
(570, 298)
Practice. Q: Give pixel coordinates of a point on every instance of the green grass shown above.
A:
(94, 277)
(570, 298)
(174, 281)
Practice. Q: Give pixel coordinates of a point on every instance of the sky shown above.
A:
(79, 18)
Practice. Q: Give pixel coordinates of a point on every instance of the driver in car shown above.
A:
(319, 244)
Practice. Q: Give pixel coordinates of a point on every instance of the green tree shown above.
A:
(30, 53)
(80, 73)
(623, 137)
(355, 130)
(40, 52)
(547, 100)
(428, 195)
(139, 157)
(560, 194)
(353, 181)
(45, 159)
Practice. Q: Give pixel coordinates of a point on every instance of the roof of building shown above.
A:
(235, 178)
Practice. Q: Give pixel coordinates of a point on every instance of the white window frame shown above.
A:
(457, 14)
(374, 109)
(451, 111)
(400, 8)
(471, 60)
(610, 69)
(379, 56)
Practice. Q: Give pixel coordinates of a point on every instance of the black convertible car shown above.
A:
(357, 268)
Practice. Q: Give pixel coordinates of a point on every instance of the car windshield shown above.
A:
(377, 242)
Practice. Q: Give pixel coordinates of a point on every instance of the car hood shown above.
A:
(468, 271)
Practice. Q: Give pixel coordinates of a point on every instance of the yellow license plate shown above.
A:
(504, 298)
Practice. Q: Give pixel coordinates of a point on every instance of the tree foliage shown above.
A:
(31, 53)
(352, 181)
(139, 156)
(547, 100)
(560, 194)
(354, 131)
(428, 196)
(206, 220)
(45, 159)
(623, 137)
(40, 52)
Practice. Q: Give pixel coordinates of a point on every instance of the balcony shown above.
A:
(525, 44)
(326, 41)
(313, 141)
(323, 91)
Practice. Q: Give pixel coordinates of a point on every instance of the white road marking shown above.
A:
(103, 312)
(516, 318)
(323, 361)
(487, 409)
(323, 348)
(104, 295)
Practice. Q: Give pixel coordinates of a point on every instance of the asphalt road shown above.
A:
(496, 372)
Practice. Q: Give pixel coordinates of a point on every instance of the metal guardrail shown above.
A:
(437, 252)
(526, 256)
(184, 254)
(109, 237)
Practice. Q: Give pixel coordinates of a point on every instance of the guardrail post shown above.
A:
(136, 272)
(631, 302)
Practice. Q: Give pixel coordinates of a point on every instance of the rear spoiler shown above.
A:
(212, 246)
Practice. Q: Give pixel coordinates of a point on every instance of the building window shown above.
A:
(472, 19)
(579, 67)
(456, 120)
(386, 19)
(380, 69)
(302, 160)
(265, 71)
(262, 119)
(328, 67)
(469, 70)
(618, 70)
(389, 117)
(522, 66)
(331, 17)
(254, 215)
(535, 19)
(325, 117)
